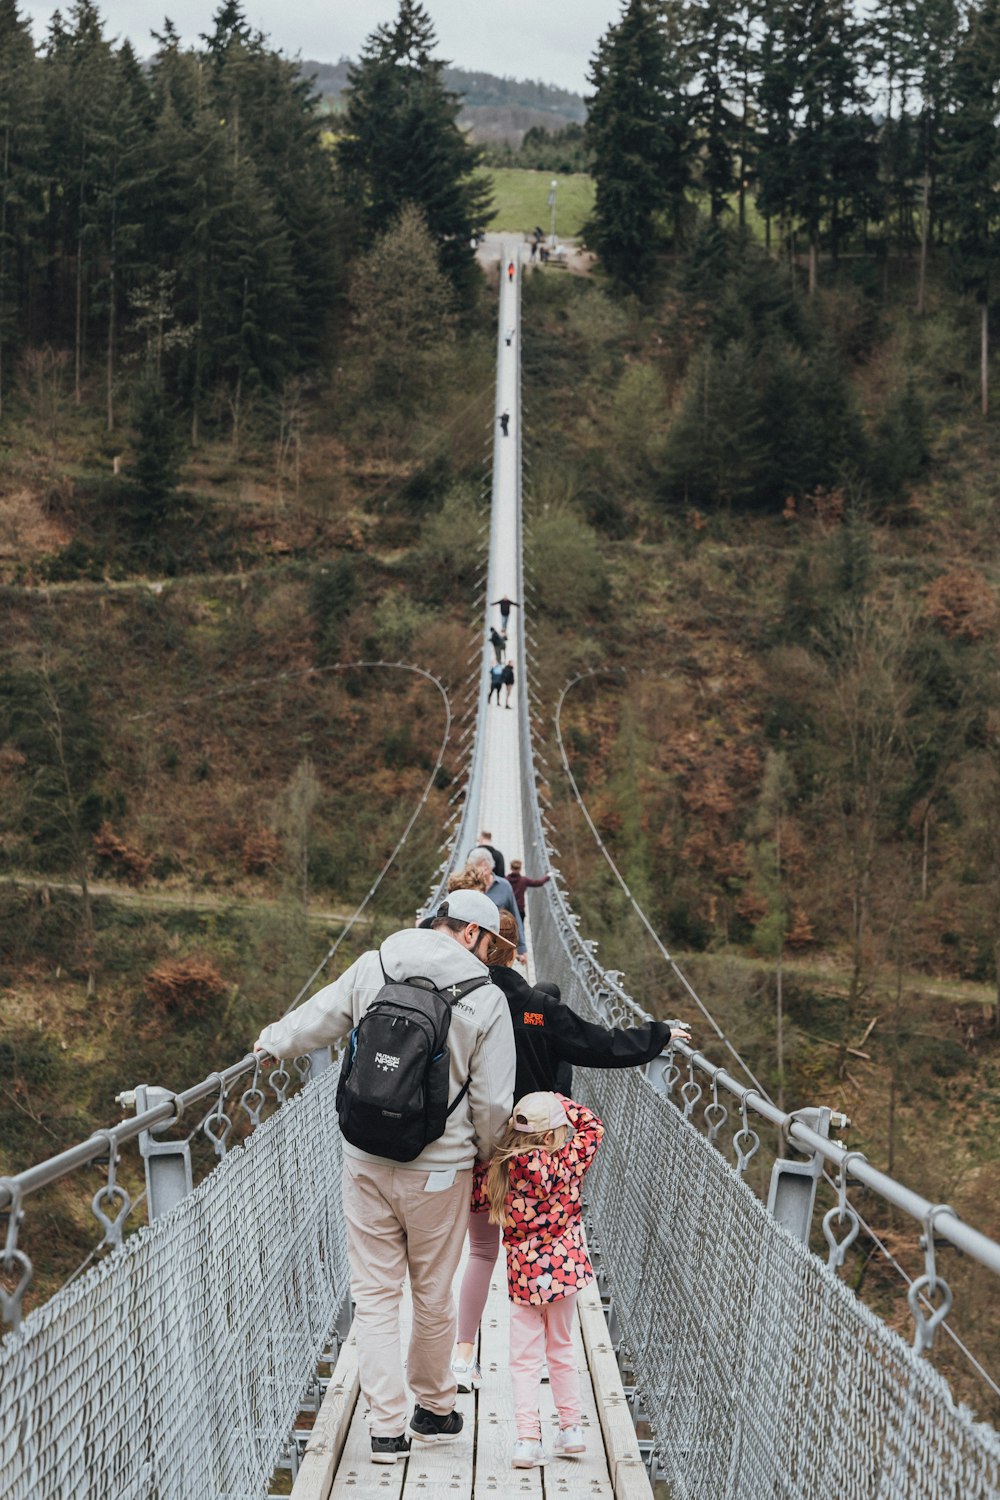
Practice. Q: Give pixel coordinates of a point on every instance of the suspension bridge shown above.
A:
(210, 1350)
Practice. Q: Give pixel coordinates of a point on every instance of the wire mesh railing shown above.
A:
(759, 1370)
(175, 1368)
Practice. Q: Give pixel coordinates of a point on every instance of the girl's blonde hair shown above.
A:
(511, 1144)
(472, 878)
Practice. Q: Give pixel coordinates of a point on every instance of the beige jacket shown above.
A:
(481, 1039)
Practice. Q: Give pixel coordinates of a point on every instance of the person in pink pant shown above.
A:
(533, 1189)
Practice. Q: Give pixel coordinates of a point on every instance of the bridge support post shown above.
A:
(658, 1073)
(168, 1163)
(792, 1194)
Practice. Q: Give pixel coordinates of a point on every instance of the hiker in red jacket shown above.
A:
(520, 883)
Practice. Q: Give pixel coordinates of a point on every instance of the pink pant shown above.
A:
(537, 1335)
(484, 1242)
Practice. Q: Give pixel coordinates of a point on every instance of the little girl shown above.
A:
(533, 1188)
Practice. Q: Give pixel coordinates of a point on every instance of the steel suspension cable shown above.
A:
(314, 672)
(667, 956)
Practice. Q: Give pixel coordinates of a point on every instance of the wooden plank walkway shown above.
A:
(337, 1463)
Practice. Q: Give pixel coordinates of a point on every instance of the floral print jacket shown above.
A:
(546, 1257)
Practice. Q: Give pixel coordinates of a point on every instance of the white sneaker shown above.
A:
(528, 1454)
(570, 1442)
(468, 1374)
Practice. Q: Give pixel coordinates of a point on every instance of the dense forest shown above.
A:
(182, 226)
(865, 134)
(246, 388)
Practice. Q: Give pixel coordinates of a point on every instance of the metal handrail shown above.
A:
(946, 1226)
(42, 1175)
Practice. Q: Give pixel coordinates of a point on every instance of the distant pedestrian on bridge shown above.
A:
(506, 605)
(508, 681)
(496, 681)
(411, 1216)
(519, 883)
(510, 271)
(499, 891)
(469, 878)
(499, 643)
(486, 842)
(504, 420)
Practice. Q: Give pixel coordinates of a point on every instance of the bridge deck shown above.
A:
(337, 1464)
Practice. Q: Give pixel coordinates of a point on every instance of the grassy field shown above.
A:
(522, 201)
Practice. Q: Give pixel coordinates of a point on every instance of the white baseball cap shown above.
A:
(538, 1113)
(471, 906)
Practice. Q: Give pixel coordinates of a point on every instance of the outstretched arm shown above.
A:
(587, 1045)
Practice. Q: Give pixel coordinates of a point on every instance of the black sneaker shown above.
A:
(429, 1428)
(385, 1450)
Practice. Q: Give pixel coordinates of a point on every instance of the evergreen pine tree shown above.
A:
(715, 41)
(189, 213)
(403, 308)
(639, 132)
(971, 163)
(20, 198)
(935, 29)
(894, 44)
(818, 158)
(78, 89)
(124, 184)
(159, 453)
(231, 29)
(402, 143)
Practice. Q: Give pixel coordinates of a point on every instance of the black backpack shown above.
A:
(392, 1098)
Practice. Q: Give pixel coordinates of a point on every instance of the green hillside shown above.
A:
(521, 201)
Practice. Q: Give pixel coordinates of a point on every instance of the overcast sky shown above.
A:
(547, 39)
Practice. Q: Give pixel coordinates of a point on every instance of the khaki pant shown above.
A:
(393, 1226)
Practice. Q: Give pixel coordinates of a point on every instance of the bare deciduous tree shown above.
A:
(866, 700)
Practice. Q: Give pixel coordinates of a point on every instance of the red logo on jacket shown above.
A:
(534, 1018)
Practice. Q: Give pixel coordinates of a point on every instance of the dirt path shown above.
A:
(824, 972)
(170, 900)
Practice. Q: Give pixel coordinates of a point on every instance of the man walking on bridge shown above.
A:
(411, 1216)
(506, 605)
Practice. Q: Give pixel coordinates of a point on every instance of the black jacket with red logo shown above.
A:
(547, 1032)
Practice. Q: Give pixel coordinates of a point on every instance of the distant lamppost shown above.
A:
(552, 215)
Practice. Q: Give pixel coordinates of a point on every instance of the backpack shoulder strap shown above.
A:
(458, 1097)
(463, 988)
